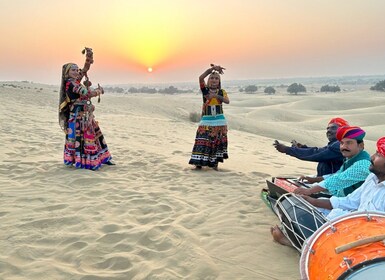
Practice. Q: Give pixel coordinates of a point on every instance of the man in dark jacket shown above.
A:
(329, 158)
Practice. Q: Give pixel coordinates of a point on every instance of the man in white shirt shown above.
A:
(369, 197)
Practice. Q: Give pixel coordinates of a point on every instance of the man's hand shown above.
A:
(309, 191)
(296, 144)
(322, 203)
(280, 147)
(303, 191)
(309, 199)
(310, 180)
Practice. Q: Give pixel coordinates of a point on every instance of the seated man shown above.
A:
(352, 173)
(369, 197)
(329, 158)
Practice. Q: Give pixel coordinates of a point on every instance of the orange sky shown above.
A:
(178, 38)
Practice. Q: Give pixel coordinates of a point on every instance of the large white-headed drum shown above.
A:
(298, 217)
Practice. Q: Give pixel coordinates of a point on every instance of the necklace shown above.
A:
(213, 91)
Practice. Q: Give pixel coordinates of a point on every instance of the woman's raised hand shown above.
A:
(217, 68)
(89, 55)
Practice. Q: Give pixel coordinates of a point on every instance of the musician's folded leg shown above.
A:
(279, 236)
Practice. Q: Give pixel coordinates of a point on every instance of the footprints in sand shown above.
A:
(76, 246)
(261, 174)
(110, 228)
(178, 153)
(116, 263)
(53, 207)
(148, 217)
(112, 238)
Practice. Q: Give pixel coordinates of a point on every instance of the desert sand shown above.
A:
(152, 216)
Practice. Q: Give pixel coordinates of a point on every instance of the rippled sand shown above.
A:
(152, 216)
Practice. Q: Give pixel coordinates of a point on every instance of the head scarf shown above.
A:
(381, 146)
(63, 98)
(339, 121)
(351, 132)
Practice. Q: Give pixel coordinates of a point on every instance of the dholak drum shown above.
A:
(298, 217)
(349, 247)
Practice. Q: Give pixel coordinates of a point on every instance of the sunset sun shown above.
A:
(149, 69)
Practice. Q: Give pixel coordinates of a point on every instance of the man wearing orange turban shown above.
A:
(381, 146)
(354, 170)
(329, 158)
(339, 121)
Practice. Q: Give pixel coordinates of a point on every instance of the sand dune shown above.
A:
(151, 216)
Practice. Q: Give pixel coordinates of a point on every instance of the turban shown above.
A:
(339, 122)
(351, 132)
(381, 146)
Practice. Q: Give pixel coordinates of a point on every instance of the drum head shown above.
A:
(371, 270)
(321, 259)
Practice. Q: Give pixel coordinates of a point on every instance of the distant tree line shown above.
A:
(168, 90)
(294, 88)
(249, 89)
(141, 90)
(254, 88)
(380, 86)
(113, 89)
(172, 90)
(327, 88)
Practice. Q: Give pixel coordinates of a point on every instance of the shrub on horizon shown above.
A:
(269, 90)
(295, 88)
(380, 86)
(251, 89)
(195, 117)
(327, 88)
